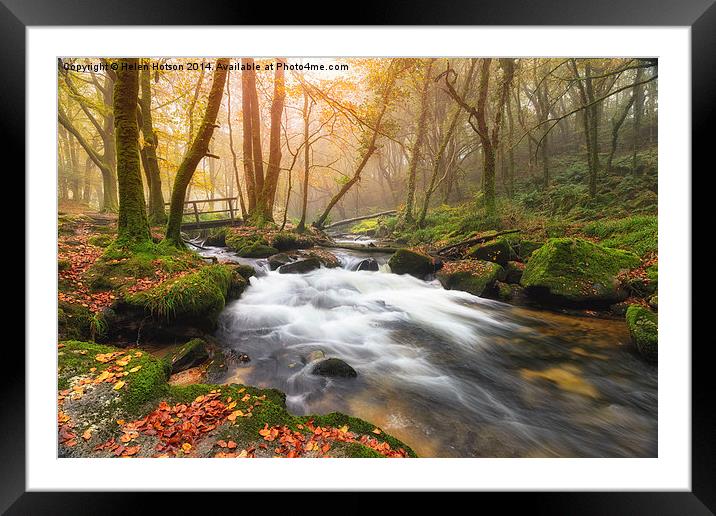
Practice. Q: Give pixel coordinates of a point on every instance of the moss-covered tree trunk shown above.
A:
(199, 148)
(157, 214)
(132, 226)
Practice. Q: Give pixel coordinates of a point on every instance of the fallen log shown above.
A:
(476, 240)
(356, 219)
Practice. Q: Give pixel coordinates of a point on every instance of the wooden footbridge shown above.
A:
(197, 216)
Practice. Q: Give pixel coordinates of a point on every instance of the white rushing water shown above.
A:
(437, 365)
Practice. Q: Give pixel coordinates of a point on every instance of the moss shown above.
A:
(200, 294)
(63, 265)
(500, 250)
(147, 387)
(360, 451)
(246, 271)
(100, 240)
(237, 286)
(74, 321)
(143, 387)
(119, 266)
(577, 271)
(249, 246)
(365, 227)
(638, 233)
(474, 276)
(287, 241)
(188, 355)
(417, 264)
(644, 330)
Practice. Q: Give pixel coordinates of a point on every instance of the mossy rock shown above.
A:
(513, 272)
(476, 277)
(654, 302)
(249, 246)
(525, 248)
(500, 250)
(417, 264)
(146, 387)
(288, 241)
(216, 237)
(644, 330)
(200, 295)
(237, 286)
(277, 260)
(246, 271)
(573, 271)
(191, 354)
(74, 321)
(504, 291)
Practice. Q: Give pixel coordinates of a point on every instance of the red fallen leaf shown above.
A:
(221, 443)
(263, 446)
(130, 450)
(325, 447)
(231, 445)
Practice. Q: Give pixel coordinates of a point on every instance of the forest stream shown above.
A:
(451, 374)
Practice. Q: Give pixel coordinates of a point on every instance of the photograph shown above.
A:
(357, 257)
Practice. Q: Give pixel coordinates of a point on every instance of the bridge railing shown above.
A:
(195, 213)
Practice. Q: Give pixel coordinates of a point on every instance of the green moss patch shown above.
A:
(638, 233)
(576, 271)
(200, 294)
(477, 277)
(251, 245)
(644, 329)
(406, 261)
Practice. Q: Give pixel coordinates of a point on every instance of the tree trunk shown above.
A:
(419, 137)
(132, 226)
(617, 122)
(638, 111)
(197, 151)
(231, 148)
(443, 145)
(306, 166)
(156, 214)
(260, 212)
(274, 164)
(247, 135)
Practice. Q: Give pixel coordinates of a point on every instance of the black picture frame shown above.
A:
(699, 15)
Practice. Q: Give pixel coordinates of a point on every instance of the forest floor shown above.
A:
(117, 399)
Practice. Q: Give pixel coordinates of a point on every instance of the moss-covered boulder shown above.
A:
(477, 277)
(198, 296)
(277, 260)
(573, 271)
(107, 393)
(500, 250)
(406, 261)
(191, 354)
(644, 330)
(252, 245)
(100, 240)
(513, 272)
(288, 241)
(237, 285)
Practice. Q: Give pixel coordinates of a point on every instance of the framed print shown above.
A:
(437, 244)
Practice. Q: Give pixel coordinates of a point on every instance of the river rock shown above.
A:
(189, 355)
(513, 272)
(417, 264)
(300, 266)
(572, 271)
(334, 368)
(277, 260)
(644, 331)
(477, 277)
(499, 251)
(369, 264)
